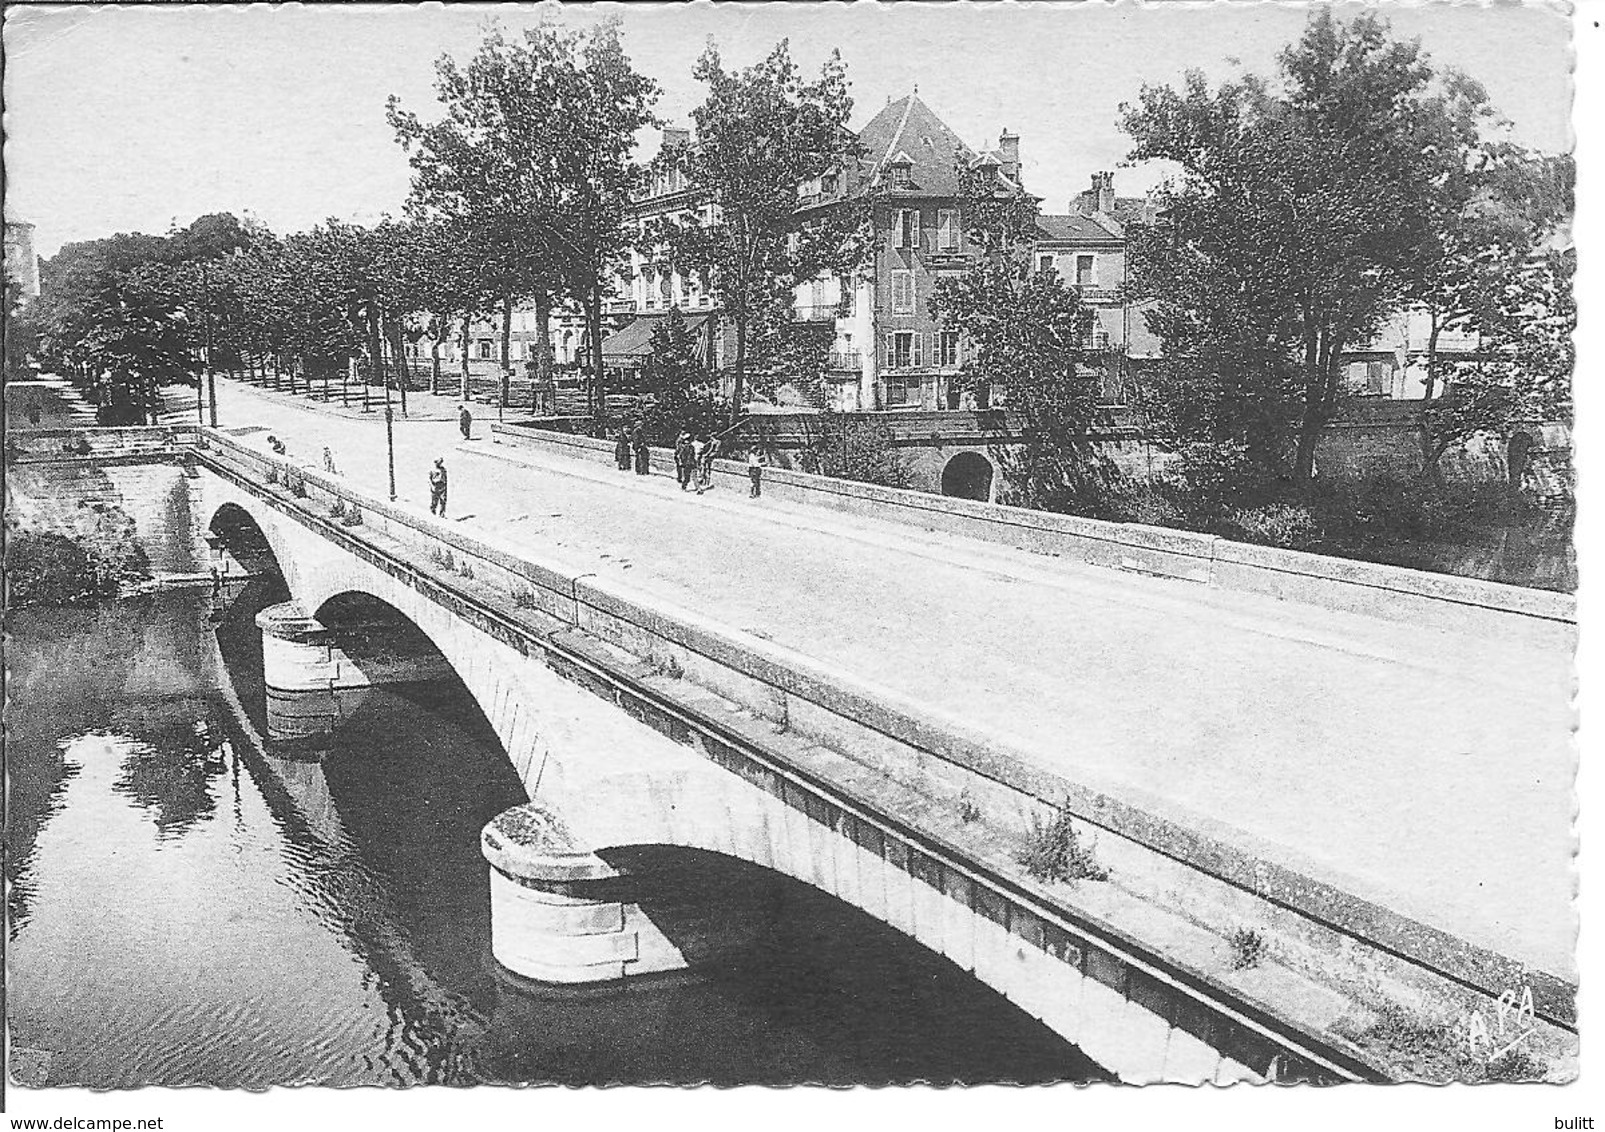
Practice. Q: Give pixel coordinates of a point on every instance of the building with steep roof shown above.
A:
(885, 350)
(22, 264)
(910, 163)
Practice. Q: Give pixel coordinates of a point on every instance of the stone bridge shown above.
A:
(634, 724)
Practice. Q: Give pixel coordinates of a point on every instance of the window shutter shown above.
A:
(891, 351)
(918, 342)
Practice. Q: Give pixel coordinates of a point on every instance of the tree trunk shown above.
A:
(1311, 422)
(434, 365)
(377, 348)
(398, 361)
(504, 379)
(1429, 460)
(468, 326)
(738, 387)
(593, 327)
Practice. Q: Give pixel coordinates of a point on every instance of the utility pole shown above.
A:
(390, 438)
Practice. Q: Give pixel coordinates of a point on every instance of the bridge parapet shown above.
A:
(1435, 601)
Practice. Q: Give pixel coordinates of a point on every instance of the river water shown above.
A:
(186, 908)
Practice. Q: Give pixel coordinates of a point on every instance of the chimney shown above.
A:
(1105, 184)
(1009, 147)
(675, 135)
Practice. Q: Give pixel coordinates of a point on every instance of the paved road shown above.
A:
(1422, 769)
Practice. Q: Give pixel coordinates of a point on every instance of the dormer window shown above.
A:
(902, 167)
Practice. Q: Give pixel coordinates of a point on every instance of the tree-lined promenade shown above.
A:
(1304, 210)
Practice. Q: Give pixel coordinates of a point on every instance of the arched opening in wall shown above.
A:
(968, 475)
(238, 548)
(790, 984)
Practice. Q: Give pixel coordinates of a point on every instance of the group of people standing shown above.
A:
(693, 458)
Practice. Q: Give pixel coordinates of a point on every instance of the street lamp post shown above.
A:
(390, 438)
(211, 378)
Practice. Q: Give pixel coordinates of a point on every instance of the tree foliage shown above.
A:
(760, 132)
(531, 163)
(1296, 223)
(1023, 332)
(679, 383)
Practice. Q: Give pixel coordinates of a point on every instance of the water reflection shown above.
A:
(252, 920)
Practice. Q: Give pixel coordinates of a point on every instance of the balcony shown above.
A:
(618, 306)
(1098, 296)
(821, 312)
(845, 360)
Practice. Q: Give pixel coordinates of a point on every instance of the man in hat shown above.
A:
(437, 487)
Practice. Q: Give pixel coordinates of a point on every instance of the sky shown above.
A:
(123, 118)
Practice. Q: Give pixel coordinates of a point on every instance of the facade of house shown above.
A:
(885, 350)
(911, 162)
(22, 264)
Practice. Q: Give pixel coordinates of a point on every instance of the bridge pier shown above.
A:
(559, 913)
(316, 674)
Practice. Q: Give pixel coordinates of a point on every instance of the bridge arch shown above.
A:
(968, 475)
(255, 546)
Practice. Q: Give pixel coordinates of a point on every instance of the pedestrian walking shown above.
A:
(698, 447)
(755, 472)
(437, 488)
(328, 461)
(710, 452)
(621, 451)
(685, 460)
(643, 454)
(465, 421)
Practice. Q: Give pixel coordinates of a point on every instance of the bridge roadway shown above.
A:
(1423, 770)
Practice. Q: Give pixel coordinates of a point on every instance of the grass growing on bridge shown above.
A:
(1436, 1049)
(1248, 948)
(1053, 850)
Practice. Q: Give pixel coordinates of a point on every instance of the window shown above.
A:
(902, 391)
(906, 227)
(902, 176)
(663, 287)
(948, 349)
(1084, 276)
(828, 184)
(649, 279)
(947, 229)
(902, 292)
(1045, 263)
(486, 350)
(902, 349)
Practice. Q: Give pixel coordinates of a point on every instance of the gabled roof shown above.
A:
(908, 128)
(1073, 227)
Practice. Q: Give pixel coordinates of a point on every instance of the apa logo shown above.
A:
(1513, 1022)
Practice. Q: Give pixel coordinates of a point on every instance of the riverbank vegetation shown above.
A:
(88, 556)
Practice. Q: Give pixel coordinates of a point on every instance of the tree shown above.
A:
(761, 132)
(1484, 276)
(533, 159)
(21, 333)
(675, 376)
(1296, 220)
(1023, 332)
(1522, 375)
